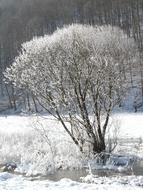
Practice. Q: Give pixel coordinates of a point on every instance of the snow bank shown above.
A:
(5, 176)
(13, 182)
(132, 181)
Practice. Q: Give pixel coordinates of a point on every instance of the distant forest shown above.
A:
(21, 20)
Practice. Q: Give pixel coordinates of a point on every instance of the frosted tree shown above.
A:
(78, 75)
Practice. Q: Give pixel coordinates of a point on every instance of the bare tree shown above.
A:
(76, 75)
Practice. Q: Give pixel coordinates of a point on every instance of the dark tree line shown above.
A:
(20, 20)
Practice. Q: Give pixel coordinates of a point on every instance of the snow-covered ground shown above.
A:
(130, 124)
(50, 149)
(12, 182)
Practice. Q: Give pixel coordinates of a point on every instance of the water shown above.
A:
(75, 175)
(136, 169)
(71, 174)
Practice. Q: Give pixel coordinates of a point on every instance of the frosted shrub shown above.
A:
(37, 154)
(77, 72)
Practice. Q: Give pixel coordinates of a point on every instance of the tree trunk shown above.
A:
(9, 97)
(35, 105)
(28, 102)
(13, 99)
(99, 146)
